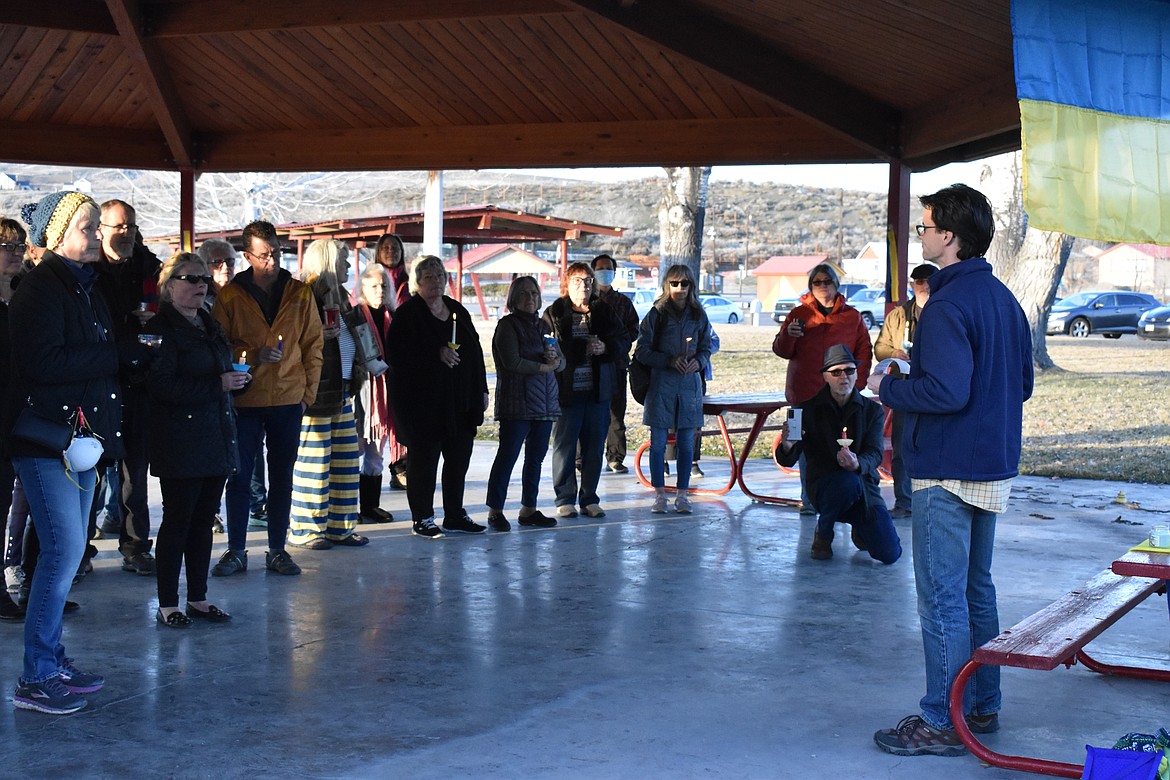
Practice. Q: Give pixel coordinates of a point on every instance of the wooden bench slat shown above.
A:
(1054, 634)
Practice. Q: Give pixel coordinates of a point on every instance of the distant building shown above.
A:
(1138, 267)
(7, 182)
(785, 276)
(870, 264)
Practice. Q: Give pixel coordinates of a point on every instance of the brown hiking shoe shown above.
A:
(822, 548)
(913, 737)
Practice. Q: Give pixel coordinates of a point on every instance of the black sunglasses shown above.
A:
(193, 278)
(841, 371)
(683, 283)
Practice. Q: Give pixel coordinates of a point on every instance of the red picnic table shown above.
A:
(762, 405)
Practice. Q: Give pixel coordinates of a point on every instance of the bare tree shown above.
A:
(680, 217)
(1030, 262)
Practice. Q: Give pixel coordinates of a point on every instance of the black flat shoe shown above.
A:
(173, 620)
(212, 614)
(353, 540)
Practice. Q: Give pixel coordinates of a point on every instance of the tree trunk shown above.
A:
(1030, 262)
(680, 217)
(1037, 272)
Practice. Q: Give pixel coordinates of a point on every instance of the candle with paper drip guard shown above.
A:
(453, 344)
(844, 441)
(280, 343)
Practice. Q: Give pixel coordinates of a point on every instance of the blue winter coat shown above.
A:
(970, 373)
(673, 400)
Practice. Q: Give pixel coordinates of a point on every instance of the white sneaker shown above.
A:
(566, 510)
(682, 504)
(594, 510)
(659, 507)
(13, 578)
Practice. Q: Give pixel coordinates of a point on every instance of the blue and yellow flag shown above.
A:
(1093, 80)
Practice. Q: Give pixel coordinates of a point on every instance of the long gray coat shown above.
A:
(674, 400)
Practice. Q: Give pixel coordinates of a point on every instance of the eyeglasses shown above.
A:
(218, 263)
(581, 281)
(840, 372)
(11, 248)
(120, 228)
(683, 283)
(919, 281)
(193, 278)
(265, 257)
(920, 229)
(822, 283)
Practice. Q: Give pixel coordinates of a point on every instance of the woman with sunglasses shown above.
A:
(192, 434)
(821, 320)
(674, 340)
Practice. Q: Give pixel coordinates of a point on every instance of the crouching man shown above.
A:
(841, 439)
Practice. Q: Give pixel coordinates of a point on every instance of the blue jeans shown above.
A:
(280, 426)
(840, 499)
(584, 422)
(59, 504)
(953, 543)
(532, 435)
(684, 451)
(903, 495)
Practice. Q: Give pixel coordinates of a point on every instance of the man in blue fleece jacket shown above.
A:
(970, 373)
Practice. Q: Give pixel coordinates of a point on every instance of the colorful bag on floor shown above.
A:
(1106, 764)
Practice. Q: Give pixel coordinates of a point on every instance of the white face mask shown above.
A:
(604, 278)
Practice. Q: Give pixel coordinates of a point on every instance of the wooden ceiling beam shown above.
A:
(166, 20)
(156, 80)
(988, 109)
(674, 142)
(83, 16)
(42, 144)
(756, 63)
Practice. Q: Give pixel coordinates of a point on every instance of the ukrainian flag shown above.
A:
(1093, 81)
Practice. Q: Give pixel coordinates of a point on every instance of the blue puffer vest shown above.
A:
(526, 396)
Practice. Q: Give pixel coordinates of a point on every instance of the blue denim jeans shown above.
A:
(59, 504)
(532, 436)
(684, 449)
(585, 422)
(903, 496)
(840, 500)
(280, 427)
(953, 543)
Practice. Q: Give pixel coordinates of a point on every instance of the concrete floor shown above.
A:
(637, 646)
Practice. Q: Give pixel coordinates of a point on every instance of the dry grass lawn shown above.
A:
(1105, 414)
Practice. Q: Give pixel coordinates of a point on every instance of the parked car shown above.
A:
(719, 309)
(783, 306)
(643, 300)
(871, 302)
(1110, 313)
(1155, 324)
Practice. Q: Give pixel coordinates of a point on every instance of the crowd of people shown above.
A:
(114, 366)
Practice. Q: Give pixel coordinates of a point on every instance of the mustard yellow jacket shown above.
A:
(294, 379)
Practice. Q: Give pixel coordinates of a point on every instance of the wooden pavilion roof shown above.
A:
(229, 85)
(485, 224)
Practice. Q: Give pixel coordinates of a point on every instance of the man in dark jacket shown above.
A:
(128, 280)
(841, 438)
(970, 373)
(604, 268)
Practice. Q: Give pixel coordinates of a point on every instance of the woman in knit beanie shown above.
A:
(64, 364)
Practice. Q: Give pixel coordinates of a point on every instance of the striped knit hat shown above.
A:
(49, 217)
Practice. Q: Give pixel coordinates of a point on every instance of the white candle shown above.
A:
(453, 316)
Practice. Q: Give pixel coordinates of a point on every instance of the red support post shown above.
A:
(187, 209)
(897, 234)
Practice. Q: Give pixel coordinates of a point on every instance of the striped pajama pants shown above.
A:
(325, 478)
